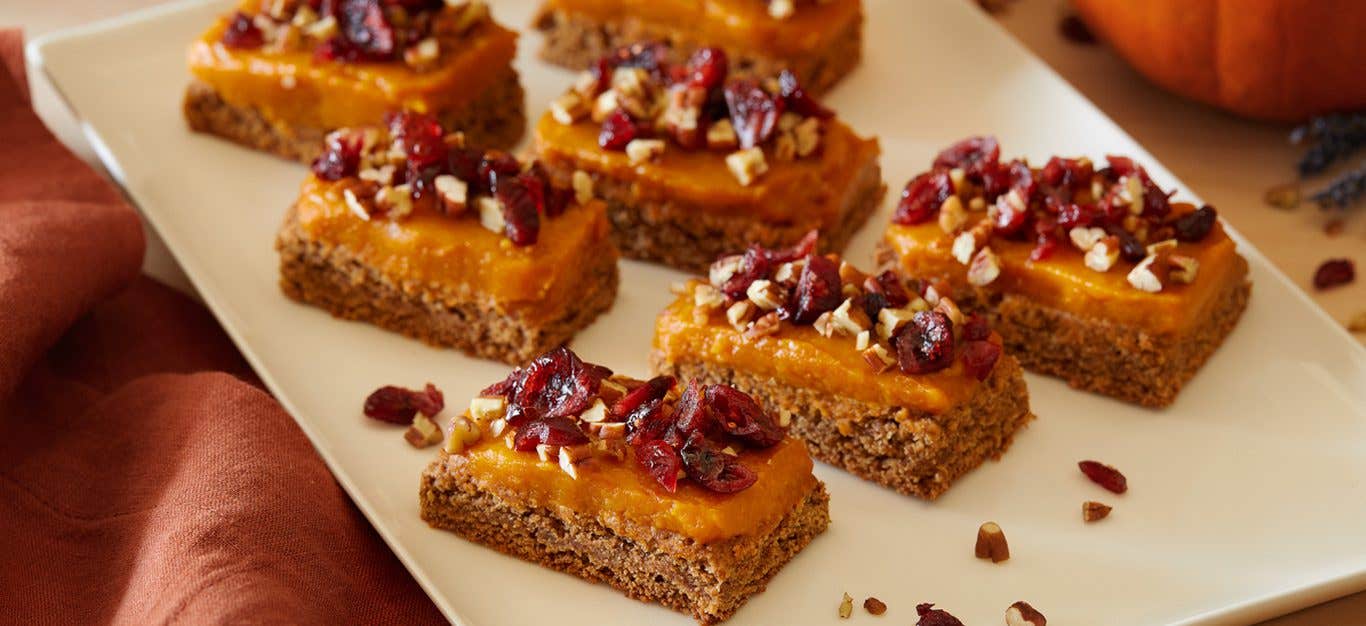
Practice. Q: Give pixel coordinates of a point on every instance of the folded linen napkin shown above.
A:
(145, 477)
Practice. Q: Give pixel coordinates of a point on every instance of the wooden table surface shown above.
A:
(1227, 161)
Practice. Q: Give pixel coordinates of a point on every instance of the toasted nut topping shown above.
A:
(1085, 238)
(490, 214)
(1094, 511)
(569, 108)
(604, 105)
(1021, 614)
(950, 309)
(1102, 256)
(464, 433)
(608, 430)
(964, 245)
(324, 28)
(740, 313)
(851, 319)
(1144, 276)
(707, 297)
(547, 452)
(453, 192)
(596, 412)
(397, 202)
(952, 215)
(730, 450)
(475, 11)
(723, 269)
(632, 86)
(862, 340)
(890, 320)
(766, 295)
(959, 177)
(991, 543)
(874, 606)
(423, 432)
(485, 408)
(850, 274)
(1358, 323)
(878, 358)
(721, 136)
(422, 54)
(382, 175)
(789, 272)
(498, 427)
(1134, 190)
(808, 136)
(984, 269)
(610, 391)
(583, 186)
(1182, 268)
(1165, 244)
(644, 150)
(353, 203)
(766, 325)
(571, 456)
(825, 325)
(846, 607)
(747, 165)
(784, 418)
(785, 147)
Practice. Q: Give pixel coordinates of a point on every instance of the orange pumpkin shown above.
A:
(1267, 59)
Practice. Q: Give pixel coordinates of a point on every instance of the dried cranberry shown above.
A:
(653, 389)
(1067, 173)
(495, 165)
(1156, 203)
(649, 56)
(1120, 166)
(366, 29)
(1196, 225)
(754, 265)
(926, 344)
(742, 417)
(617, 131)
(507, 386)
(713, 469)
(422, 137)
(242, 33)
(340, 158)
(979, 357)
(796, 99)
(555, 384)
(1007, 219)
(888, 284)
(691, 414)
(1105, 476)
(930, 616)
(661, 461)
(753, 112)
(707, 68)
(520, 197)
(1072, 215)
(1130, 248)
(397, 405)
(1334, 272)
(1044, 247)
(976, 328)
(871, 303)
(550, 431)
(975, 155)
(463, 163)
(921, 198)
(602, 72)
(1022, 180)
(805, 246)
(818, 290)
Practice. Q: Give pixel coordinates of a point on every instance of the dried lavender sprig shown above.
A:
(1345, 190)
(1335, 137)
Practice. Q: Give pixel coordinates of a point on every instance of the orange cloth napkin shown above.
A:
(145, 477)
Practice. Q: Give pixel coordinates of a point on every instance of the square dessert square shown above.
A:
(639, 485)
(1090, 274)
(406, 228)
(278, 75)
(878, 375)
(694, 165)
(818, 40)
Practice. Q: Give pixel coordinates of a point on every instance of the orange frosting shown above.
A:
(620, 493)
(458, 254)
(743, 24)
(802, 190)
(1064, 282)
(330, 94)
(801, 357)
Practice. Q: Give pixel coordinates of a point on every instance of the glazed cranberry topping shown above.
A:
(979, 357)
(921, 198)
(1334, 272)
(975, 155)
(742, 417)
(693, 415)
(660, 460)
(930, 616)
(713, 469)
(1195, 225)
(366, 30)
(242, 33)
(340, 158)
(707, 68)
(555, 384)
(818, 289)
(976, 328)
(618, 130)
(753, 112)
(421, 135)
(552, 431)
(888, 285)
(926, 343)
(397, 405)
(796, 99)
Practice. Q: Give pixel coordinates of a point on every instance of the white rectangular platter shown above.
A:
(1247, 496)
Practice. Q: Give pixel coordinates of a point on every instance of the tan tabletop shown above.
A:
(1228, 162)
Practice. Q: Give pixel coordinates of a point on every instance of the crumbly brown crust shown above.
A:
(334, 279)
(495, 119)
(577, 42)
(914, 452)
(690, 238)
(710, 581)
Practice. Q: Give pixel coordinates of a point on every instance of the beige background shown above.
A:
(1228, 162)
